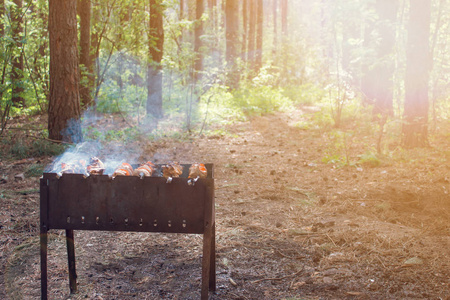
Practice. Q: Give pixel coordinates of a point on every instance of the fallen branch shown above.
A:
(278, 278)
(236, 296)
(49, 140)
(24, 128)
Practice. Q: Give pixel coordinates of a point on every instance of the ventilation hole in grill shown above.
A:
(169, 223)
(155, 223)
(184, 223)
(141, 222)
(82, 219)
(97, 220)
(68, 219)
(126, 221)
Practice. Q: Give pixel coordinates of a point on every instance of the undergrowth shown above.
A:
(15, 147)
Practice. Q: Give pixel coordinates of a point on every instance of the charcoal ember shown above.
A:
(173, 169)
(95, 167)
(145, 169)
(125, 169)
(197, 171)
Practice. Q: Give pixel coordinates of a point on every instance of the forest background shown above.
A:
(202, 63)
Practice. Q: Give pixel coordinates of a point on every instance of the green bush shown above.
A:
(34, 170)
(261, 100)
(19, 148)
(45, 148)
(369, 159)
(306, 94)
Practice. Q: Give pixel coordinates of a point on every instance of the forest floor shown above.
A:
(288, 226)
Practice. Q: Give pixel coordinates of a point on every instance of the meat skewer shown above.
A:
(172, 170)
(96, 166)
(145, 169)
(125, 169)
(78, 167)
(196, 171)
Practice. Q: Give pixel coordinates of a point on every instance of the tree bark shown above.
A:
(17, 59)
(181, 15)
(244, 26)
(64, 102)
(232, 28)
(154, 70)
(212, 13)
(84, 11)
(2, 14)
(251, 33)
(376, 83)
(198, 65)
(259, 35)
(418, 62)
(284, 14)
(275, 27)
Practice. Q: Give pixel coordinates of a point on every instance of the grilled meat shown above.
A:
(197, 171)
(145, 170)
(173, 169)
(68, 168)
(95, 167)
(78, 167)
(125, 169)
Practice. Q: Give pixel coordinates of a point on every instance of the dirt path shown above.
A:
(288, 227)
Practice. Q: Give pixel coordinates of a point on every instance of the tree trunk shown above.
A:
(232, 27)
(2, 14)
(84, 11)
(154, 70)
(251, 33)
(244, 26)
(198, 65)
(418, 61)
(284, 14)
(259, 35)
(377, 84)
(275, 28)
(64, 102)
(180, 18)
(17, 59)
(212, 13)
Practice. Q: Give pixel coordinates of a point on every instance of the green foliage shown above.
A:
(261, 100)
(94, 133)
(34, 170)
(306, 94)
(369, 159)
(19, 148)
(39, 148)
(323, 119)
(219, 107)
(338, 150)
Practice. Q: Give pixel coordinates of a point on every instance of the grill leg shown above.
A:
(208, 262)
(212, 269)
(43, 242)
(71, 260)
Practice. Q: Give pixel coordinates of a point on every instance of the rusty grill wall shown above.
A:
(128, 203)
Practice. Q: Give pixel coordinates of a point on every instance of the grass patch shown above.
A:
(369, 159)
(34, 170)
(20, 148)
